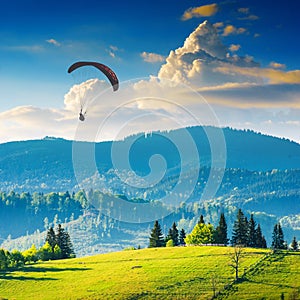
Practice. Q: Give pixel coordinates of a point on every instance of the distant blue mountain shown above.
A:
(262, 176)
(47, 164)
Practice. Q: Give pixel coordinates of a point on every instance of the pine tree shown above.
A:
(278, 237)
(252, 237)
(182, 236)
(201, 220)
(275, 237)
(63, 240)
(260, 241)
(263, 243)
(51, 238)
(294, 244)
(240, 232)
(156, 236)
(220, 234)
(281, 238)
(174, 234)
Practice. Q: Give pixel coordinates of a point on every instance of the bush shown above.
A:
(170, 243)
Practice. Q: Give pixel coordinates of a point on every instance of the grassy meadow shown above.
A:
(157, 273)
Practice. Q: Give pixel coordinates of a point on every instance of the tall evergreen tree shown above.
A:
(260, 241)
(281, 237)
(240, 230)
(275, 237)
(252, 242)
(220, 234)
(201, 220)
(294, 244)
(51, 238)
(63, 240)
(182, 236)
(263, 243)
(156, 237)
(278, 237)
(174, 234)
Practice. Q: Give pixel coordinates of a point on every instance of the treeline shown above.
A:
(245, 233)
(38, 210)
(57, 246)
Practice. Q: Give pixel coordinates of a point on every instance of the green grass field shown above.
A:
(166, 273)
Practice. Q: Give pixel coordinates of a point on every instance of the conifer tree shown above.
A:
(182, 236)
(281, 238)
(220, 234)
(252, 237)
(263, 243)
(260, 241)
(174, 234)
(278, 237)
(294, 244)
(240, 232)
(201, 220)
(156, 236)
(64, 242)
(51, 238)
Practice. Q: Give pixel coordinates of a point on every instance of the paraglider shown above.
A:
(109, 73)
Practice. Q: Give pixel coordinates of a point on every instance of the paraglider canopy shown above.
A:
(109, 73)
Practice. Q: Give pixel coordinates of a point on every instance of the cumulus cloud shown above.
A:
(200, 11)
(198, 60)
(277, 65)
(152, 57)
(230, 29)
(234, 47)
(53, 42)
(201, 78)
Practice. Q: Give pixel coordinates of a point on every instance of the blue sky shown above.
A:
(39, 40)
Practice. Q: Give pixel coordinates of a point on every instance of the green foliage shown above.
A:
(294, 244)
(201, 234)
(63, 240)
(170, 243)
(4, 259)
(16, 259)
(278, 238)
(182, 236)
(251, 232)
(46, 252)
(240, 230)
(156, 237)
(57, 252)
(220, 234)
(31, 254)
(51, 238)
(173, 235)
(129, 248)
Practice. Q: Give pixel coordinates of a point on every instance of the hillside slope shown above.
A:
(166, 273)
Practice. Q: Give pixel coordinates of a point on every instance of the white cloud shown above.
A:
(53, 42)
(200, 11)
(234, 47)
(230, 29)
(277, 65)
(200, 79)
(152, 57)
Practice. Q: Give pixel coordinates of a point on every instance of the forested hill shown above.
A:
(46, 165)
